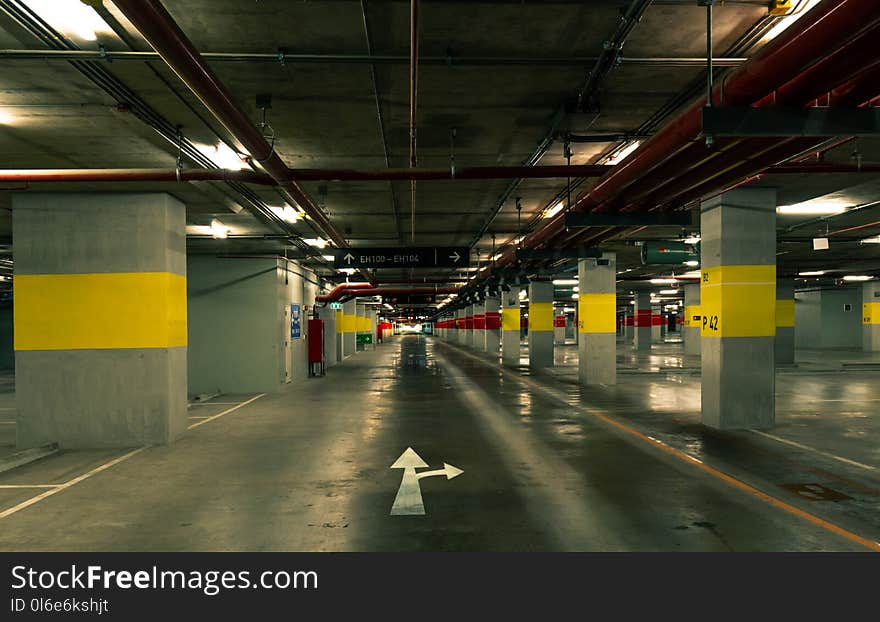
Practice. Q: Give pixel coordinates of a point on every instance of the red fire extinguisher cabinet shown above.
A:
(316, 347)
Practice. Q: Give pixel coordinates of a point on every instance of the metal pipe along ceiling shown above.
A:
(348, 292)
(161, 31)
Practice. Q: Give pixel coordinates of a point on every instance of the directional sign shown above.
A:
(418, 257)
(409, 496)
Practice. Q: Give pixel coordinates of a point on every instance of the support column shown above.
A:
(340, 333)
(328, 316)
(784, 341)
(871, 316)
(540, 324)
(493, 327)
(597, 320)
(100, 319)
(738, 302)
(629, 330)
(693, 320)
(643, 321)
(479, 327)
(460, 325)
(349, 328)
(469, 326)
(656, 324)
(510, 327)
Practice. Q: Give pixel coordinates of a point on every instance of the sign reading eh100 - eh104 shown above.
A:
(421, 257)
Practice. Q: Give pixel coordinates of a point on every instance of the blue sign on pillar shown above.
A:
(295, 323)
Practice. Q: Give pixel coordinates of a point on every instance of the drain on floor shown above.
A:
(815, 492)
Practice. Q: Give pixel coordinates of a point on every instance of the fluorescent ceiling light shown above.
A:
(575, 296)
(496, 257)
(786, 22)
(565, 281)
(519, 239)
(6, 117)
(552, 211)
(522, 294)
(347, 270)
(328, 257)
(817, 207)
(621, 154)
(286, 213)
(874, 240)
(692, 263)
(693, 274)
(812, 273)
(663, 281)
(694, 239)
(316, 242)
(857, 277)
(223, 156)
(219, 230)
(668, 291)
(72, 17)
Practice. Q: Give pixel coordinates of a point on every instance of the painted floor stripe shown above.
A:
(10, 486)
(213, 403)
(225, 412)
(815, 451)
(684, 457)
(76, 480)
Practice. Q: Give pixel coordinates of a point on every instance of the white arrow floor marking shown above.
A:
(409, 496)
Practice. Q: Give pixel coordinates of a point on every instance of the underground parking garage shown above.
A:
(440, 276)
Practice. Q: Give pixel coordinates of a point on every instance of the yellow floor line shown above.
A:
(684, 457)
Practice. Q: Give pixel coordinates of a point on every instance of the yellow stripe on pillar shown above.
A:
(100, 311)
(349, 323)
(510, 319)
(785, 313)
(738, 301)
(871, 313)
(597, 313)
(541, 316)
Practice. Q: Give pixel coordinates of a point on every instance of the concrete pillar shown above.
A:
(510, 327)
(629, 331)
(738, 302)
(597, 320)
(492, 336)
(784, 340)
(340, 335)
(479, 312)
(540, 324)
(693, 320)
(349, 328)
(460, 326)
(100, 319)
(643, 321)
(558, 327)
(871, 316)
(469, 326)
(328, 316)
(362, 326)
(656, 324)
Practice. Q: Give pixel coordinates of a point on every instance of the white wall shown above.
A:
(821, 321)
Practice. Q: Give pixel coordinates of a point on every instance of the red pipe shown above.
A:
(334, 295)
(133, 174)
(171, 175)
(157, 26)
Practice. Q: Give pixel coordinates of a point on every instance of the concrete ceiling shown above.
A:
(324, 115)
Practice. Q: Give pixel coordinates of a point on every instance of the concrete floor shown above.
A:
(308, 469)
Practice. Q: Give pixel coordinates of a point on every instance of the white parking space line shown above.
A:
(213, 403)
(12, 486)
(76, 480)
(225, 412)
(785, 441)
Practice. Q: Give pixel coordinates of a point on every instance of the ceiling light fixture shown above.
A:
(620, 154)
(668, 291)
(316, 242)
(857, 277)
(692, 264)
(565, 281)
(72, 17)
(816, 207)
(219, 230)
(552, 211)
(223, 156)
(663, 281)
(812, 273)
(874, 240)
